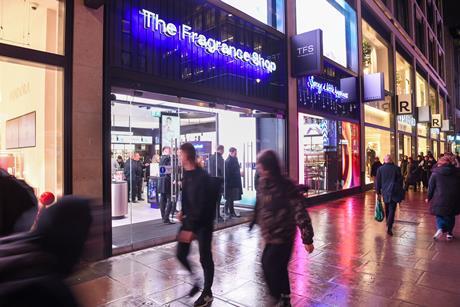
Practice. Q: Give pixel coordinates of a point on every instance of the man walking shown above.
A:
(197, 215)
(233, 186)
(389, 184)
(216, 166)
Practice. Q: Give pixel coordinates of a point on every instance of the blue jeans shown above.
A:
(446, 223)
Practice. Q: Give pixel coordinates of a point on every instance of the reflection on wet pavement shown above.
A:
(354, 264)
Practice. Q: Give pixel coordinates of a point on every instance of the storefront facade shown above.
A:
(35, 91)
(328, 106)
(214, 77)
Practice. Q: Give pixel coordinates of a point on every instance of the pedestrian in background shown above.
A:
(389, 185)
(444, 195)
(164, 187)
(197, 217)
(217, 168)
(133, 174)
(279, 209)
(233, 185)
(375, 167)
(412, 175)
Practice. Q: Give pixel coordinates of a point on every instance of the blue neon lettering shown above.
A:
(153, 22)
(325, 87)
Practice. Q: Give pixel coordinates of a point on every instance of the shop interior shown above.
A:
(147, 123)
(329, 154)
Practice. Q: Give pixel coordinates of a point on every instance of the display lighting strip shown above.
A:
(326, 87)
(184, 32)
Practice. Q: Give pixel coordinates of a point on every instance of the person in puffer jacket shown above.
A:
(280, 208)
(444, 195)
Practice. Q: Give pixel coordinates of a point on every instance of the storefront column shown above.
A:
(293, 114)
(87, 113)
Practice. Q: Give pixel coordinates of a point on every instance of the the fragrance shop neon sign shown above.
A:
(184, 32)
(326, 87)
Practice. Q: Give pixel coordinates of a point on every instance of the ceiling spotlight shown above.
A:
(229, 15)
(258, 80)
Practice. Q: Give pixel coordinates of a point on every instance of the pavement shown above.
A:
(354, 264)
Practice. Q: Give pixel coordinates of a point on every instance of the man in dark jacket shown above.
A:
(164, 187)
(133, 174)
(197, 216)
(444, 195)
(217, 169)
(389, 184)
(233, 185)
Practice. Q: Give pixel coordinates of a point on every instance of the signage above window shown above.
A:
(326, 87)
(307, 53)
(153, 22)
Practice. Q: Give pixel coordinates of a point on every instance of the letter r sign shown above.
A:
(436, 121)
(404, 104)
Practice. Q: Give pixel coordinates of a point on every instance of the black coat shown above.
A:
(375, 167)
(233, 183)
(164, 182)
(133, 170)
(198, 199)
(389, 183)
(216, 165)
(444, 191)
(413, 173)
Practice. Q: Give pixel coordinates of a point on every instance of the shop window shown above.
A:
(375, 53)
(422, 130)
(35, 25)
(432, 53)
(440, 32)
(329, 154)
(441, 65)
(422, 91)
(402, 13)
(378, 112)
(378, 143)
(433, 100)
(270, 12)
(403, 76)
(31, 124)
(430, 13)
(420, 34)
(337, 20)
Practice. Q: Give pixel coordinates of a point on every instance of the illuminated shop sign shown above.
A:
(326, 87)
(407, 119)
(153, 22)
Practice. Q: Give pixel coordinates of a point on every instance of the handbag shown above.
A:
(379, 214)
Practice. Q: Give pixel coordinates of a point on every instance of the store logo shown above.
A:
(184, 32)
(404, 104)
(326, 87)
(305, 50)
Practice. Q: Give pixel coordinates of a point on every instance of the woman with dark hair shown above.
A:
(443, 195)
(279, 209)
(197, 217)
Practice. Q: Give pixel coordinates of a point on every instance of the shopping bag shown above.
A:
(379, 215)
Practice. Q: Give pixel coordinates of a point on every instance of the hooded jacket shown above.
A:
(444, 191)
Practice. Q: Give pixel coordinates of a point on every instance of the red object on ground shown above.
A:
(47, 198)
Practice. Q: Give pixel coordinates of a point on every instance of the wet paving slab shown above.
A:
(354, 264)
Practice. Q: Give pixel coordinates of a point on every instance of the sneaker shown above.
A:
(204, 300)
(437, 234)
(450, 236)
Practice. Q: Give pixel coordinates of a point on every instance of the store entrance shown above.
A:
(146, 135)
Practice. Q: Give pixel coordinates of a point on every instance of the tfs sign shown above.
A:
(404, 104)
(305, 50)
